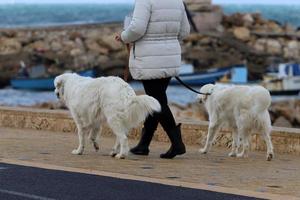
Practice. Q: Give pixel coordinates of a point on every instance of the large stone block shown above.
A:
(210, 20)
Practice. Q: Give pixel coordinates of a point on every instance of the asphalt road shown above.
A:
(19, 183)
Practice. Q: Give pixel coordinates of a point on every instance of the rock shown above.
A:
(76, 52)
(24, 37)
(260, 45)
(208, 21)
(194, 37)
(9, 33)
(68, 45)
(75, 35)
(242, 33)
(258, 19)
(288, 28)
(103, 60)
(292, 49)
(121, 55)
(93, 35)
(200, 8)
(79, 43)
(248, 20)
(282, 122)
(274, 27)
(234, 20)
(93, 46)
(39, 45)
(220, 28)
(55, 46)
(205, 41)
(273, 46)
(109, 42)
(9, 46)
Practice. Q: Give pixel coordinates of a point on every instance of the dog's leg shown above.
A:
(212, 130)
(81, 137)
(267, 138)
(116, 147)
(121, 132)
(235, 143)
(245, 140)
(124, 147)
(93, 136)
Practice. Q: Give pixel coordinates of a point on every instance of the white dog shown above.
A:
(93, 101)
(242, 108)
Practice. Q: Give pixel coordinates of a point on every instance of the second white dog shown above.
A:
(242, 108)
(92, 101)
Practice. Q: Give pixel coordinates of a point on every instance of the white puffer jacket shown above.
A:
(155, 30)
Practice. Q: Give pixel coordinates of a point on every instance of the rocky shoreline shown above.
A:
(74, 47)
(237, 39)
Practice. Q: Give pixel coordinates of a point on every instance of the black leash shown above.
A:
(190, 18)
(188, 87)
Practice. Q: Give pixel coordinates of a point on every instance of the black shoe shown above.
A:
(142, 148)
(177, 147)
(138, 150)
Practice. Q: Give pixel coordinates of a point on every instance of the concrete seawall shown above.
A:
(285, 140)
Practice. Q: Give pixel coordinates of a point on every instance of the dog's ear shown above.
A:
(58, 81)
(207, 89)
(210, 90)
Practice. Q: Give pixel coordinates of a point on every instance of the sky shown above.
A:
(131, 1)
(258, 1)
(67, 1)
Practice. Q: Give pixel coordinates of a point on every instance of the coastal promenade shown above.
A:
(30, 138)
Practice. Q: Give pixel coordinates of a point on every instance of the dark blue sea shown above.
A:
(24, 15)
(32, 15)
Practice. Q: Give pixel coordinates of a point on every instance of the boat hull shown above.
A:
(202, 78)
(41, 83)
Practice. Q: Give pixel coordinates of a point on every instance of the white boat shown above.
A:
(286, 81)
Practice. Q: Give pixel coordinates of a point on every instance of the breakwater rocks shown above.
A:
(238, 38)
(62, 48)
(241, 38)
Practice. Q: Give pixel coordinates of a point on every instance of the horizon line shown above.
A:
(130, 3)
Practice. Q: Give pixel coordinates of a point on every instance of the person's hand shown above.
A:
(118, 37)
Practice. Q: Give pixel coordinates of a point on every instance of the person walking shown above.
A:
(155, 31)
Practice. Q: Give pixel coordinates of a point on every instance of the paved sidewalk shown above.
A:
(281, 176)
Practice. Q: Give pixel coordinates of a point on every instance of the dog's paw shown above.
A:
(120, 156)
(203, 151)
(113, 153)
(242, 155)
(232, 154)
(77, 152)
(96, 146)
(270, 156)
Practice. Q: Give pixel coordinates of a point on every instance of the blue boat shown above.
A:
(42, 83)
(202, 78)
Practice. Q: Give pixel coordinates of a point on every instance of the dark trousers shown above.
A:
(157, 89)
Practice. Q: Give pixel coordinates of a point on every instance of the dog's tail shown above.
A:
(140, 107)
(262, 100)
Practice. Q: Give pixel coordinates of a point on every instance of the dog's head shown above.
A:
(59, 83)
(206, 91)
